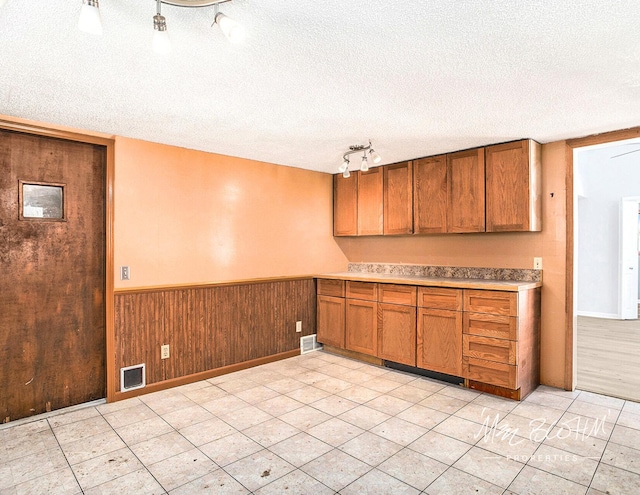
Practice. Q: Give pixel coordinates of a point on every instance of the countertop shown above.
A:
(456, 283)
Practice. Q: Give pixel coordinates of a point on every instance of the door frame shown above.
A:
(570, 370)
(622, 293)
(40, 129)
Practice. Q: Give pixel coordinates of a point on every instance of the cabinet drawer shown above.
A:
(397, 294)
(499, 374)
(367, 291)
(498, 350)
(496, 326)
(491, 301)
(328, 287)
(436, 298)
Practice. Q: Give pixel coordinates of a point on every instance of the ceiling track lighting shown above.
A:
(90, 21)
(364, 164)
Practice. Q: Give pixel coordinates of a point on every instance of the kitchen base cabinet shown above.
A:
(397, 333)
(331, 324)
(501, 343)
(361, 326)
(439, 342)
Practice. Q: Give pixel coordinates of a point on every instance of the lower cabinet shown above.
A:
(490, 338)
(439, 342)
(331, 322)
(397, 333)
(361, 326)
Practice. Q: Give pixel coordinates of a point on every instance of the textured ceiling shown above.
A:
(417, 78)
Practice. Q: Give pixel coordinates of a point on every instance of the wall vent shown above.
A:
(132, 377)
(309, 344)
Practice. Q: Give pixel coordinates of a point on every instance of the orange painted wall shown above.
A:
(501, 250)
(186, 217)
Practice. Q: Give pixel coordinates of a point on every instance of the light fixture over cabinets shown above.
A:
(364, 164)
(90, 21)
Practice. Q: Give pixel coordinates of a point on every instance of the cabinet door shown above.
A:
(465, 207)
(513, 185)
(430, 195)
(345, 205)
(331, 318)
(361, 326)
(398, 198)
(439, 341)
(397, 333)
(370, 200)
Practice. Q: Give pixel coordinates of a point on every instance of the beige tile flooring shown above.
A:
(321, 424)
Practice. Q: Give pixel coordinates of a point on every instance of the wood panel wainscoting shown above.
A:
(211, 329)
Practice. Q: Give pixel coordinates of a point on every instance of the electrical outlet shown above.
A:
(537, 263)
(124, 273)
(298, 326)
(164, 351)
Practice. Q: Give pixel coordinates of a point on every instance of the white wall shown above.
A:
(602, 181)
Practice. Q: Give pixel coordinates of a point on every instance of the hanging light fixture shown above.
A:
(364, 164)
(161, 41)
(89, 21)
(233, 31)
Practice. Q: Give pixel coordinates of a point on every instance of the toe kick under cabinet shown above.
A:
(486, 336)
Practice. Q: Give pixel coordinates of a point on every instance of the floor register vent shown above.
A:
(309, 343)
(132, 377)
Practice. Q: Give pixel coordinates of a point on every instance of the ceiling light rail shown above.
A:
(364, 164)
(90, 21)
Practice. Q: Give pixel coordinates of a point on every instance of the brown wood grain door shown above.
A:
(52, 283)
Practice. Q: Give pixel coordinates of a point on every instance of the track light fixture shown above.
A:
(364, 164)
(90, 22)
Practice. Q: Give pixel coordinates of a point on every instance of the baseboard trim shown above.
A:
(594, 314)
(204, 375)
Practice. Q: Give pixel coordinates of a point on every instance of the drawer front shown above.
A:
(367, 291)
(499, 374)
(328, 287)
(397, 294)
(491, 301)
(495, 326)
(436, 298)
(498, 350)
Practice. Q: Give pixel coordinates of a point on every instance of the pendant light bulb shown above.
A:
(233, 31)
(344, 166)
(375, 158)
(89, 21)
(346, 174)
(161, 40)
(364, 166)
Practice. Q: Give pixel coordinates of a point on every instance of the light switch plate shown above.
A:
(537, 263)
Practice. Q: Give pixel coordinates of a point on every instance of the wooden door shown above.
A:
(439, 341)
(331, 314)
(430, 195)
(398, 198)
(361, 326)
(52, 288)
(397, 333)
(370, 202)
(345, 205)
(466, 200)
(513, 183)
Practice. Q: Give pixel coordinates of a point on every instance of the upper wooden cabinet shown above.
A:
(513, 183)
(430, 195)
(370, 202)
(345, 205)
(398, 198)
(465, 200)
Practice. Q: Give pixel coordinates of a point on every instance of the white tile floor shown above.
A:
(321, 424)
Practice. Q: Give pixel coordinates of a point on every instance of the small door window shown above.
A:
(42, 201)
